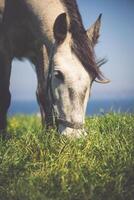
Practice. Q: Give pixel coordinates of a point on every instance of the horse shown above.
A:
(51, 34)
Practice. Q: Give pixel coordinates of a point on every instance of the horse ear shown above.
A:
(60, 28)
(93, 31)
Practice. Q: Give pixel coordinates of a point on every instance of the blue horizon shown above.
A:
(95, 106)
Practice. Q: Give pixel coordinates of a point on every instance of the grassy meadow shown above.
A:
(40, 165)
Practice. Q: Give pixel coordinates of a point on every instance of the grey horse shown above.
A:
(50, 33)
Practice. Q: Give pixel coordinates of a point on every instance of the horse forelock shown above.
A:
(81, 45)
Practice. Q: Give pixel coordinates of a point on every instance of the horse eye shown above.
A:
(59, 75)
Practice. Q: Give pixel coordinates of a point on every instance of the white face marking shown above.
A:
(71, 87)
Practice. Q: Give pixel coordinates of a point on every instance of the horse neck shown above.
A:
(47, 11)
(2, 5)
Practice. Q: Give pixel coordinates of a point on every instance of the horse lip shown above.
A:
(70, 132)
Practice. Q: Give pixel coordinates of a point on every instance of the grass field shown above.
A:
(40, 165)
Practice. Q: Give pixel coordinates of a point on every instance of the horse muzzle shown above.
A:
(70, 129)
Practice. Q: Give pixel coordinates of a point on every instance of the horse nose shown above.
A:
(70, 132)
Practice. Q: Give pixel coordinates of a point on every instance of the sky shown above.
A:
(116, 44)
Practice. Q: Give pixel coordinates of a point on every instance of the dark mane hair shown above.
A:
(81, 45)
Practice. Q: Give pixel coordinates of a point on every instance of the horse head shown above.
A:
(73, 69)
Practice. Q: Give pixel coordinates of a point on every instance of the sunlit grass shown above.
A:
(40, 165)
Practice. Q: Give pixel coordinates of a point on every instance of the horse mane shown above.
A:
(81, 44)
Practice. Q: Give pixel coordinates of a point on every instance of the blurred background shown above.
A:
(116, 44)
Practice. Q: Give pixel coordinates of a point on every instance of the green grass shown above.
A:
(40, 165)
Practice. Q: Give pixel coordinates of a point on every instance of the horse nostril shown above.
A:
(83, 95)
(71, 93)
